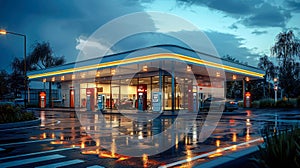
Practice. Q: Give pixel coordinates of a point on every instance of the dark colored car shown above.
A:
(218, 104)
(126, 104)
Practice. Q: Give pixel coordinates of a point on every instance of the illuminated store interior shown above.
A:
(128, 80)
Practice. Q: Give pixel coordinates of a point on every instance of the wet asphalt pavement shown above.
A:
(91, 139)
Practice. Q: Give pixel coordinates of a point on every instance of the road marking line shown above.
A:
(1, 149)
(95, 166)
(208, 154)
(37, 153)
(19, 128)
(61, 164)
(31, 160)
(26, 142)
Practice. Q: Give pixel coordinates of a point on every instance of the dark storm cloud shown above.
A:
(268, 16)
(257, 32)
(293, 5)
(235, 8)
(229, 44)
(58, 22)
(256, 13)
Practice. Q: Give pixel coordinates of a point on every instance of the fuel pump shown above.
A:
(101, 102)
(42, 99)
(142, 97)
(90, 106)
(88, 102)
(195, 102)
(247, 99)
(156, 102)
(201, 97)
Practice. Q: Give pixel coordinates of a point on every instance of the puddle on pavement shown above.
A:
(115, 132)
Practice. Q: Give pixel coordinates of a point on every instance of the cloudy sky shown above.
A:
(243, 29)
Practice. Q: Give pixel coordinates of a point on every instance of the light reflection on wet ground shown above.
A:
(66, 131)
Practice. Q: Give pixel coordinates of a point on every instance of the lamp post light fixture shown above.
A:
(275, 88)
(4, 32)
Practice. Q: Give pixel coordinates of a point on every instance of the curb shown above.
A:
(20, 124)
(231, 160)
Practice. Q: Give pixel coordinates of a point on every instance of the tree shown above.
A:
(234, 89)
(40, 58)
(16, 79)
(286, 50)
(4, 89)
(270, 70)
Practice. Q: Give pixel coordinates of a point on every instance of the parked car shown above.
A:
(218, 104)
(126, 104)
(231, 105)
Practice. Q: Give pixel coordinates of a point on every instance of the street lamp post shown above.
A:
(4, 32)
(275, 88)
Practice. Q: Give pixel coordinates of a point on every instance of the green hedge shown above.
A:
(270, 103)
(285, 104)
(9, 114)
(266, 103)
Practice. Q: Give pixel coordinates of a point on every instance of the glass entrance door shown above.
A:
(115, 92)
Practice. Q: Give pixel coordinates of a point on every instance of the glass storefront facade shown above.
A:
(121, 89)
(180, 75)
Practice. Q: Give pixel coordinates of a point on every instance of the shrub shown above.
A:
(281, 149)
(255, 104)
(32, 105)
(241, 103)
(9, 113)
(285, 104)
(265, 103)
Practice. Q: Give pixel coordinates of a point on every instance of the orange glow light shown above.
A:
(113, 72)
(234, 137)
(218, 153)
(98, 74)
(3, 32)
(234, 148)
(188, 68)
(248, 135)
(145, 160)
(82, 145)
(218, 143)
(123, 158)
(145, 68)
(231, 122)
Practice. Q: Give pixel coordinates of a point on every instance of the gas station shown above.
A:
(147, 79)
